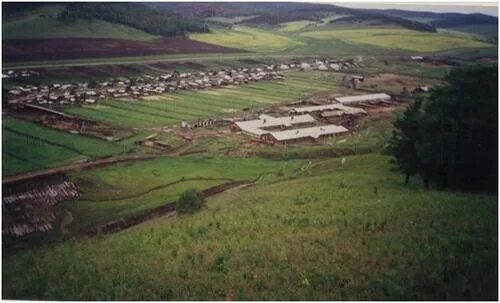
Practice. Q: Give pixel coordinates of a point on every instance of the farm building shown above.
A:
(254, 128)
(293, 135)
(364, 98)
(329, 107)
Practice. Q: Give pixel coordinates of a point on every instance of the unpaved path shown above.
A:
(80, 166)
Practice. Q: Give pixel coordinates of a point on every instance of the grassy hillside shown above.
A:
(400, 39)
(42, 23)
(335, 231)
(248, 38)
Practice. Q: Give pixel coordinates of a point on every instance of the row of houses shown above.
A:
(148, 85)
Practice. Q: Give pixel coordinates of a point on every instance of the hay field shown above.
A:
(400, 39)
(252, 39)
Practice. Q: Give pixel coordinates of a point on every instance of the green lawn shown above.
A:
(248, 38)
(401, 39)
(340, 230)
(28, 146)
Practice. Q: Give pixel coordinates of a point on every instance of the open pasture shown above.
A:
(116, 192)
(28, 146)
(340, 230)
(242, 37)
(400, 39)
(168, 109)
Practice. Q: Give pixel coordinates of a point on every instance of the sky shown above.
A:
(484, 8)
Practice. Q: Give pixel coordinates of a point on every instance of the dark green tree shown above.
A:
(190, 202)
(451, 139)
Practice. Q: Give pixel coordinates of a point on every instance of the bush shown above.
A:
(190, 201)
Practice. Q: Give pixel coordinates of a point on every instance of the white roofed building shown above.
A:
(363, 98)
(254, 128)
(316, 132)
(329, 107)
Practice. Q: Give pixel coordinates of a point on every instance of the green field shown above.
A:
(116, 192)
(28, 146)
(294, 26)
(400, 39)
(243, 37)
(333, 232)
(171, 109)
(42, 23)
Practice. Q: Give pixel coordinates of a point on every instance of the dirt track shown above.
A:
(74, 48)
(77, 167)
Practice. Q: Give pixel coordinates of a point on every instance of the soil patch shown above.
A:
(74, 48)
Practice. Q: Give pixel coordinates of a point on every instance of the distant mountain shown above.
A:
(445, 20)
(279, 12)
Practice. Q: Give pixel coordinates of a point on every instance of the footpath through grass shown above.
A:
(345, 230)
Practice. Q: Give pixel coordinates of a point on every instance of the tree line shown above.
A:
(132, 14)
(450, 139)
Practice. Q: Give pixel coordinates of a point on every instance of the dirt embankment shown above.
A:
(166, 210)
(75, 48)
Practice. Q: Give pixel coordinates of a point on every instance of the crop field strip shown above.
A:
(32, 146)
(191, 105)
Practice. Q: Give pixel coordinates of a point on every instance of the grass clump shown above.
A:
(190, 202)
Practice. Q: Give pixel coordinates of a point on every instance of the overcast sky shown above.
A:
(484, 8)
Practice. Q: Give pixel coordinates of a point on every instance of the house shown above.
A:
(363, 98)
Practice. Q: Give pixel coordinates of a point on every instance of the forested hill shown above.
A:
(134, 15)
(274, 13)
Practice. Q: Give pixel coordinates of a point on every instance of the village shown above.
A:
(147, 85)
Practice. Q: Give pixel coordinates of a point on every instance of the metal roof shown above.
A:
(361, 98)
(254, 126)
(309, 132)
(334, 106)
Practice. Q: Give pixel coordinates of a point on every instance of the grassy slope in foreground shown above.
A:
(115, 192)
(248, 38)
(401, 39)
(42, 23)
(340, 231)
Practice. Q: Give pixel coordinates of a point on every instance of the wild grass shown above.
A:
(116, 191)
(342, 230)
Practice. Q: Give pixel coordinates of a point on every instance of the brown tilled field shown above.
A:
(75, 48)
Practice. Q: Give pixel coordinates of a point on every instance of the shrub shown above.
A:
(190, 201)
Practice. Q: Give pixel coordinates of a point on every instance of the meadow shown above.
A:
(115, 192)
(247, 38)
(337, 230)
(28, 146)
(189, 106)
(401, 39)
